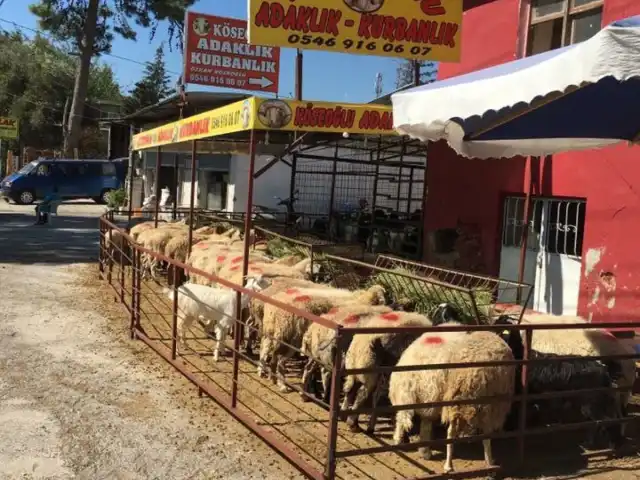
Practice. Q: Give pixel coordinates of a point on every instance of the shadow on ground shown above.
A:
(70, 239)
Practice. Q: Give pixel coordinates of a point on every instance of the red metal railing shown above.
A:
(331, 453)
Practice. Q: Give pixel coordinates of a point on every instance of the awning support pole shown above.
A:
(192, 194)
(238, 331)
(525, 228)
(157, 177)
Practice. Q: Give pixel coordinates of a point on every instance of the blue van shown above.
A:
(74, 178)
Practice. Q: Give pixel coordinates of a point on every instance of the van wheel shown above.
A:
(104, 197)
(26, 197)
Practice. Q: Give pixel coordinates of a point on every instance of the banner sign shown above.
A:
(272, 114)
(217, 54)
(413, 29)
(290, 115)
(8, 128)
(235, 117)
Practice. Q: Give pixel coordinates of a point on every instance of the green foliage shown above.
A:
(37, 79)
(404, 73)
(152, 87)
(405, 288)
(116, 198)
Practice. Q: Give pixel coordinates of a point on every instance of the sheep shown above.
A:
(117, 247)
(371, 350)
(256, 305)
(584, 343)
(233, 273)
(142, 227)
(319, 344)
(215, 307)
(566, 375)
(156, 240)
(425, 386)
(283, 330)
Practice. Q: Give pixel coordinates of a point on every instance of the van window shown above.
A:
(108, 169)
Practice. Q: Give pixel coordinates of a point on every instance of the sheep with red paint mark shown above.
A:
(425, 386)
(282, 331)
(256, 306)
(319, 342)
(376, 350)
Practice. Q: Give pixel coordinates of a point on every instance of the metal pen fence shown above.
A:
(301, 426)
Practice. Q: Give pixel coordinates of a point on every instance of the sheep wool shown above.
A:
(319, 344)
(425, 386)
(371, 350)
(583, 343)
(281, 328)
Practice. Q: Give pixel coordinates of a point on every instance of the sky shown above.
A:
(327, 76)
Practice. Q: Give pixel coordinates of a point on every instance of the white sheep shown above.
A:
(374, 350)
(425, 386)
(282, 330)
(319, 342)
(214, 307)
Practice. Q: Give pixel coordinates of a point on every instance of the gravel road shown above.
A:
(80, 400)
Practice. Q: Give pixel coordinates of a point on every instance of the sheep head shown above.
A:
(375, 295)
(444, 313)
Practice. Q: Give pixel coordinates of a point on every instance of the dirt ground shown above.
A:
(80, 400)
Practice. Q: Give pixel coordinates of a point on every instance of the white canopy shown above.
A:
(463, 110)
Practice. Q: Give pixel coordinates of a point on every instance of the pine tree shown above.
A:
(152, 87)
(404, 73)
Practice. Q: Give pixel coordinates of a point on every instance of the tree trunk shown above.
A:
(74, 127)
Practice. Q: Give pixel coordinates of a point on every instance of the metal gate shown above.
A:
(554, 250)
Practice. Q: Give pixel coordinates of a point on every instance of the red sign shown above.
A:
(217, 54)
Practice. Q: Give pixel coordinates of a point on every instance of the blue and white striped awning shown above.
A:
(578, 97)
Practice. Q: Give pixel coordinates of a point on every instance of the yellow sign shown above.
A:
(228, 119)
(272, 114)
(290, 115)
(8, 128)
(415, 29)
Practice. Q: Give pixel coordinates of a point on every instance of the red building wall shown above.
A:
(469, 192)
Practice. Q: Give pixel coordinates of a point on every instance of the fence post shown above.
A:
(525, 389)
(121, 256)
(334, 404)
(236, 351)
(138, 289)
(134, 288)
(311, 251)
(101, 250)
(174, 316)
(109, 256)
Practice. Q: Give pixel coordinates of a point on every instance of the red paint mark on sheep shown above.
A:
(390, 317)
(351, 319)
(235, 269)
(432, 340)
(202, 246)
(333, 311)
(302, 298)
(236, 259)
(256, 269)
(291, 291)
(221, 258)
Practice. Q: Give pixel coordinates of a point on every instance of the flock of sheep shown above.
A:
(281, 334)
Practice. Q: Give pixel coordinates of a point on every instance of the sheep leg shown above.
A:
(265, 349)
(326, 384)
(404, 422)
(452, 432)
(307, 376)
(363, 393)
(281, 372)
(183, 323)
(221, 334)
(426, 435)
(377, 393)
(488, 454)
(349, 393)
